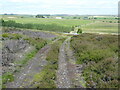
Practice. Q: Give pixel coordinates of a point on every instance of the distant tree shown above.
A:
(79, 31)
(5, 14)
(11, 14)
(95, 18)
(39, 16)
(110, 21)
(45, 14)
(74, 17)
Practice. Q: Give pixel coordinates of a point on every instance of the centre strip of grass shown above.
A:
(47, 77)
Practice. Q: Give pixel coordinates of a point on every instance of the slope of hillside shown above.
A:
(99, 55)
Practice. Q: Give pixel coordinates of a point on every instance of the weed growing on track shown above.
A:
(46, 78)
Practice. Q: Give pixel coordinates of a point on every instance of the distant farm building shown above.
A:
(11, 17)
(58, 17)
(85, 18)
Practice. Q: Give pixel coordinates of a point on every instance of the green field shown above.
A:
(61, 22)
(101, 27)
(90, 25)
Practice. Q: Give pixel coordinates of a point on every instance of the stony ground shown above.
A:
(30, 33)
(16, 49)
(63, 81)
(68, 74)
(25, 77)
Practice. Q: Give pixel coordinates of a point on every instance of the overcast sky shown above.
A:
(82, 7)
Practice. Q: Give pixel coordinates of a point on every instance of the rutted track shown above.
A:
(25, 76)
(69, 73)
(63, 81)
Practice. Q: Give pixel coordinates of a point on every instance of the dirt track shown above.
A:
(69, 73)
(63, 81)
(25, 76)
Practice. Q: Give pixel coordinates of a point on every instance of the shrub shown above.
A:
(110, 21)
(79, 31)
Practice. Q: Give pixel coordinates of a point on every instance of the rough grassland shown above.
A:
(101, 27)
(99, 53)
(61, 22)
(86, 25)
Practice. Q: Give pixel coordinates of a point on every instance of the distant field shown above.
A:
(101, 27)
(62, 22)
(98, 25)
(56, 25)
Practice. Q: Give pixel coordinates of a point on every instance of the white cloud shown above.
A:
(61, 6)
(67, 2)
(23, 1)
(62, 1)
